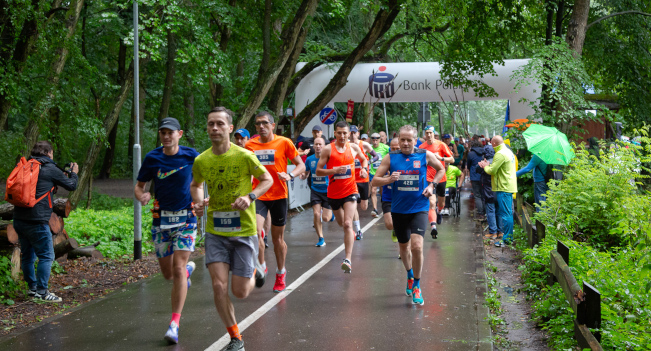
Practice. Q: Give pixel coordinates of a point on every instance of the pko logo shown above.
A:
(380, 84)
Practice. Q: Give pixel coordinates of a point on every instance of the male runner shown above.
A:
(273, 151)
(340, 158)
(409, 203)
(241, 137)
(174, 226)
(382, 150)
(362, 182)
(386, 198)
(445, 155)
(318, 191)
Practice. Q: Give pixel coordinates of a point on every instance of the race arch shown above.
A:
(418, 82)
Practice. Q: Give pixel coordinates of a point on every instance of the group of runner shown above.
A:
(247, 185)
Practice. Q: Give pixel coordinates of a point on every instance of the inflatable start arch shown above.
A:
(409, 82)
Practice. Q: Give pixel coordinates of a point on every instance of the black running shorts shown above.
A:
(386, 206)
(406, 224)
(277, 208)
(362, 189)
(319, 198)
(337, 203)
(439, 189)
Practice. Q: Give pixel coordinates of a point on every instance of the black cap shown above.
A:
(169, 123)
(317, 128)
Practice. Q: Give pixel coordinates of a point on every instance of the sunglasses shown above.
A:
(375, 138)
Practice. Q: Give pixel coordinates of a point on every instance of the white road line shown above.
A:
(225, 339)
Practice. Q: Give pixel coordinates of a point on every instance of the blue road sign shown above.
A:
(328, 115)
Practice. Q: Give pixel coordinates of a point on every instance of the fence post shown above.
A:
(540, 230)
(564, 251)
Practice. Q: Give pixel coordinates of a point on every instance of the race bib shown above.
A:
(376, 164)
(318, 180)
(266, 157)
(447, 191)
(173, 219)
(358, 165)
(346, 175)
(407, 182)
(227, 222)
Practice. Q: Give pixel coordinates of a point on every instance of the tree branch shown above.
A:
(617, 14)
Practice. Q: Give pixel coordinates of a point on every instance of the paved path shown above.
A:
(323, 308)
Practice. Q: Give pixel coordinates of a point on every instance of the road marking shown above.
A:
(225, 339)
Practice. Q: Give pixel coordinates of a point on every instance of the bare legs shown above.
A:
(174, 268)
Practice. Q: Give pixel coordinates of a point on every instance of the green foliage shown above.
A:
(112, 228)
(599, 200)
(9, 289)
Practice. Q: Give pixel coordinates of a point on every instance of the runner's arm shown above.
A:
(433, 162)
(323, 160)
(266, 181)
(369, 148)
(196, 191)
(140, 193)
(382, 169)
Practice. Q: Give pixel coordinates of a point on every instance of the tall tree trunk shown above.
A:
(279, 90)
(264, 82)
(383, 22)
(40, 112)
(577, 26)
(549, 27)
(86, 171)
(239, 85)
(560, 13)
(188, 102)
(216, 89)
(109, 156)
(169, 80)
(266, 39)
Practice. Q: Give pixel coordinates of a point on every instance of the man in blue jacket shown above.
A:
(476, 155)
(540, 188)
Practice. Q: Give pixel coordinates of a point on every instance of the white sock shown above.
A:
(433, 224)
(281, 271)
(264, 266)
(356, 226)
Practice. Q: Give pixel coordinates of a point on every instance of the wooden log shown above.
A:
(566, 280)
(64, 247)
(585, 338)
(7, 211)
(87, 251)
(15, 263)
(62, 207)
(56, 224)
(8, 233)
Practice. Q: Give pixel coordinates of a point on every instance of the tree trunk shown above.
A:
(577, 26)
(560, 13)
(62, 207)
(64, 247)
(383, 21)
(56, 224)
(169, 80)
(86, 251)
(8, 233)
(6, 211)
(105, 172)
(43, 106)
(15, 263)
(282, 82)
(549, 27)
(239, 85)
(225, 32)
(266, 39)
(265, 82)
(188, 102)
(111, 118)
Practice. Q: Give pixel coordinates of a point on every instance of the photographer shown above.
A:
(31, 223)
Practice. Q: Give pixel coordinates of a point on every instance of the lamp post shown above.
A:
(137, 209)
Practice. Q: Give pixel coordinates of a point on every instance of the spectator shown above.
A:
(307, 148)
(383, 138)
(31, 223)
(539, 168)
(494, 231)
(475, 155)
(454, 180)
(504, 184)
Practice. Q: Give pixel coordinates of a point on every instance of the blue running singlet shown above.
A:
(407, 193)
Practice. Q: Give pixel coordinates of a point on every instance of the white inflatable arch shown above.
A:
(409, 82)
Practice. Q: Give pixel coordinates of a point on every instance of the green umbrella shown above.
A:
(549, 144)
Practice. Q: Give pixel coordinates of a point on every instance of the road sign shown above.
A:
(328, 115)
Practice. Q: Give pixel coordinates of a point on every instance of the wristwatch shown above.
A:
(252, 196)
(291, 175)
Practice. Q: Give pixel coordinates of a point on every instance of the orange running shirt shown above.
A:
(358, 166)
(341, 185)
(273, 155)
(439, 148)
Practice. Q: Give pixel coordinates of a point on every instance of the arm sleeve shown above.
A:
(144, 174)
(256, 169)
(533, 163)
(59, 178)
(290, 150)
(497, 163)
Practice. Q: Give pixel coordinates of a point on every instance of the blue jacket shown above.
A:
(539, 169)
(475, 155)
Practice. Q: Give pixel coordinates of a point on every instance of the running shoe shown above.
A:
(172, 335)
(359, 235)
(434, 232)
(31, 293)
(445, 212)
(374, 213)
(439, 217)
(333, 217)
(321, 242)
(500, 243)
(47, 297)
(346, 266)
(235, 345)
(266, 243)
(280, 283)
(410, 286)
(190, 267)
(260, 276)
(417, 297)
(394, 237)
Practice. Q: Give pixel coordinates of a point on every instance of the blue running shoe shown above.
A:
(172, 335)
(333, 217)
(417, 297)
(190, 267)
(359, 235)
(321, 242)
(410, 286)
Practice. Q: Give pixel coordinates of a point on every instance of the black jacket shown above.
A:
(48, 177)
(475, 155)
(486, 183)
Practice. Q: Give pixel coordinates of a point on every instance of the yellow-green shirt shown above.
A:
(502, 170)
(228, 177)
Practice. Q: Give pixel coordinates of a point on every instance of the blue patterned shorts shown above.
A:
(166, 241)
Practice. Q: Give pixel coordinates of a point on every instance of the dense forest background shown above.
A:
(66, 67)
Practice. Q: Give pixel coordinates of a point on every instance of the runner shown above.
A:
(443, 154)
(409, 168)
(231, 225)
(174, 226)
(386, 199)
(382, 150)
(362, 182)
(340, 158)
(318, 191)
(273, 151)
(241, 137)
(454, 180)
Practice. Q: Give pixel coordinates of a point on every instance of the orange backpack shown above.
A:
(21, 184)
